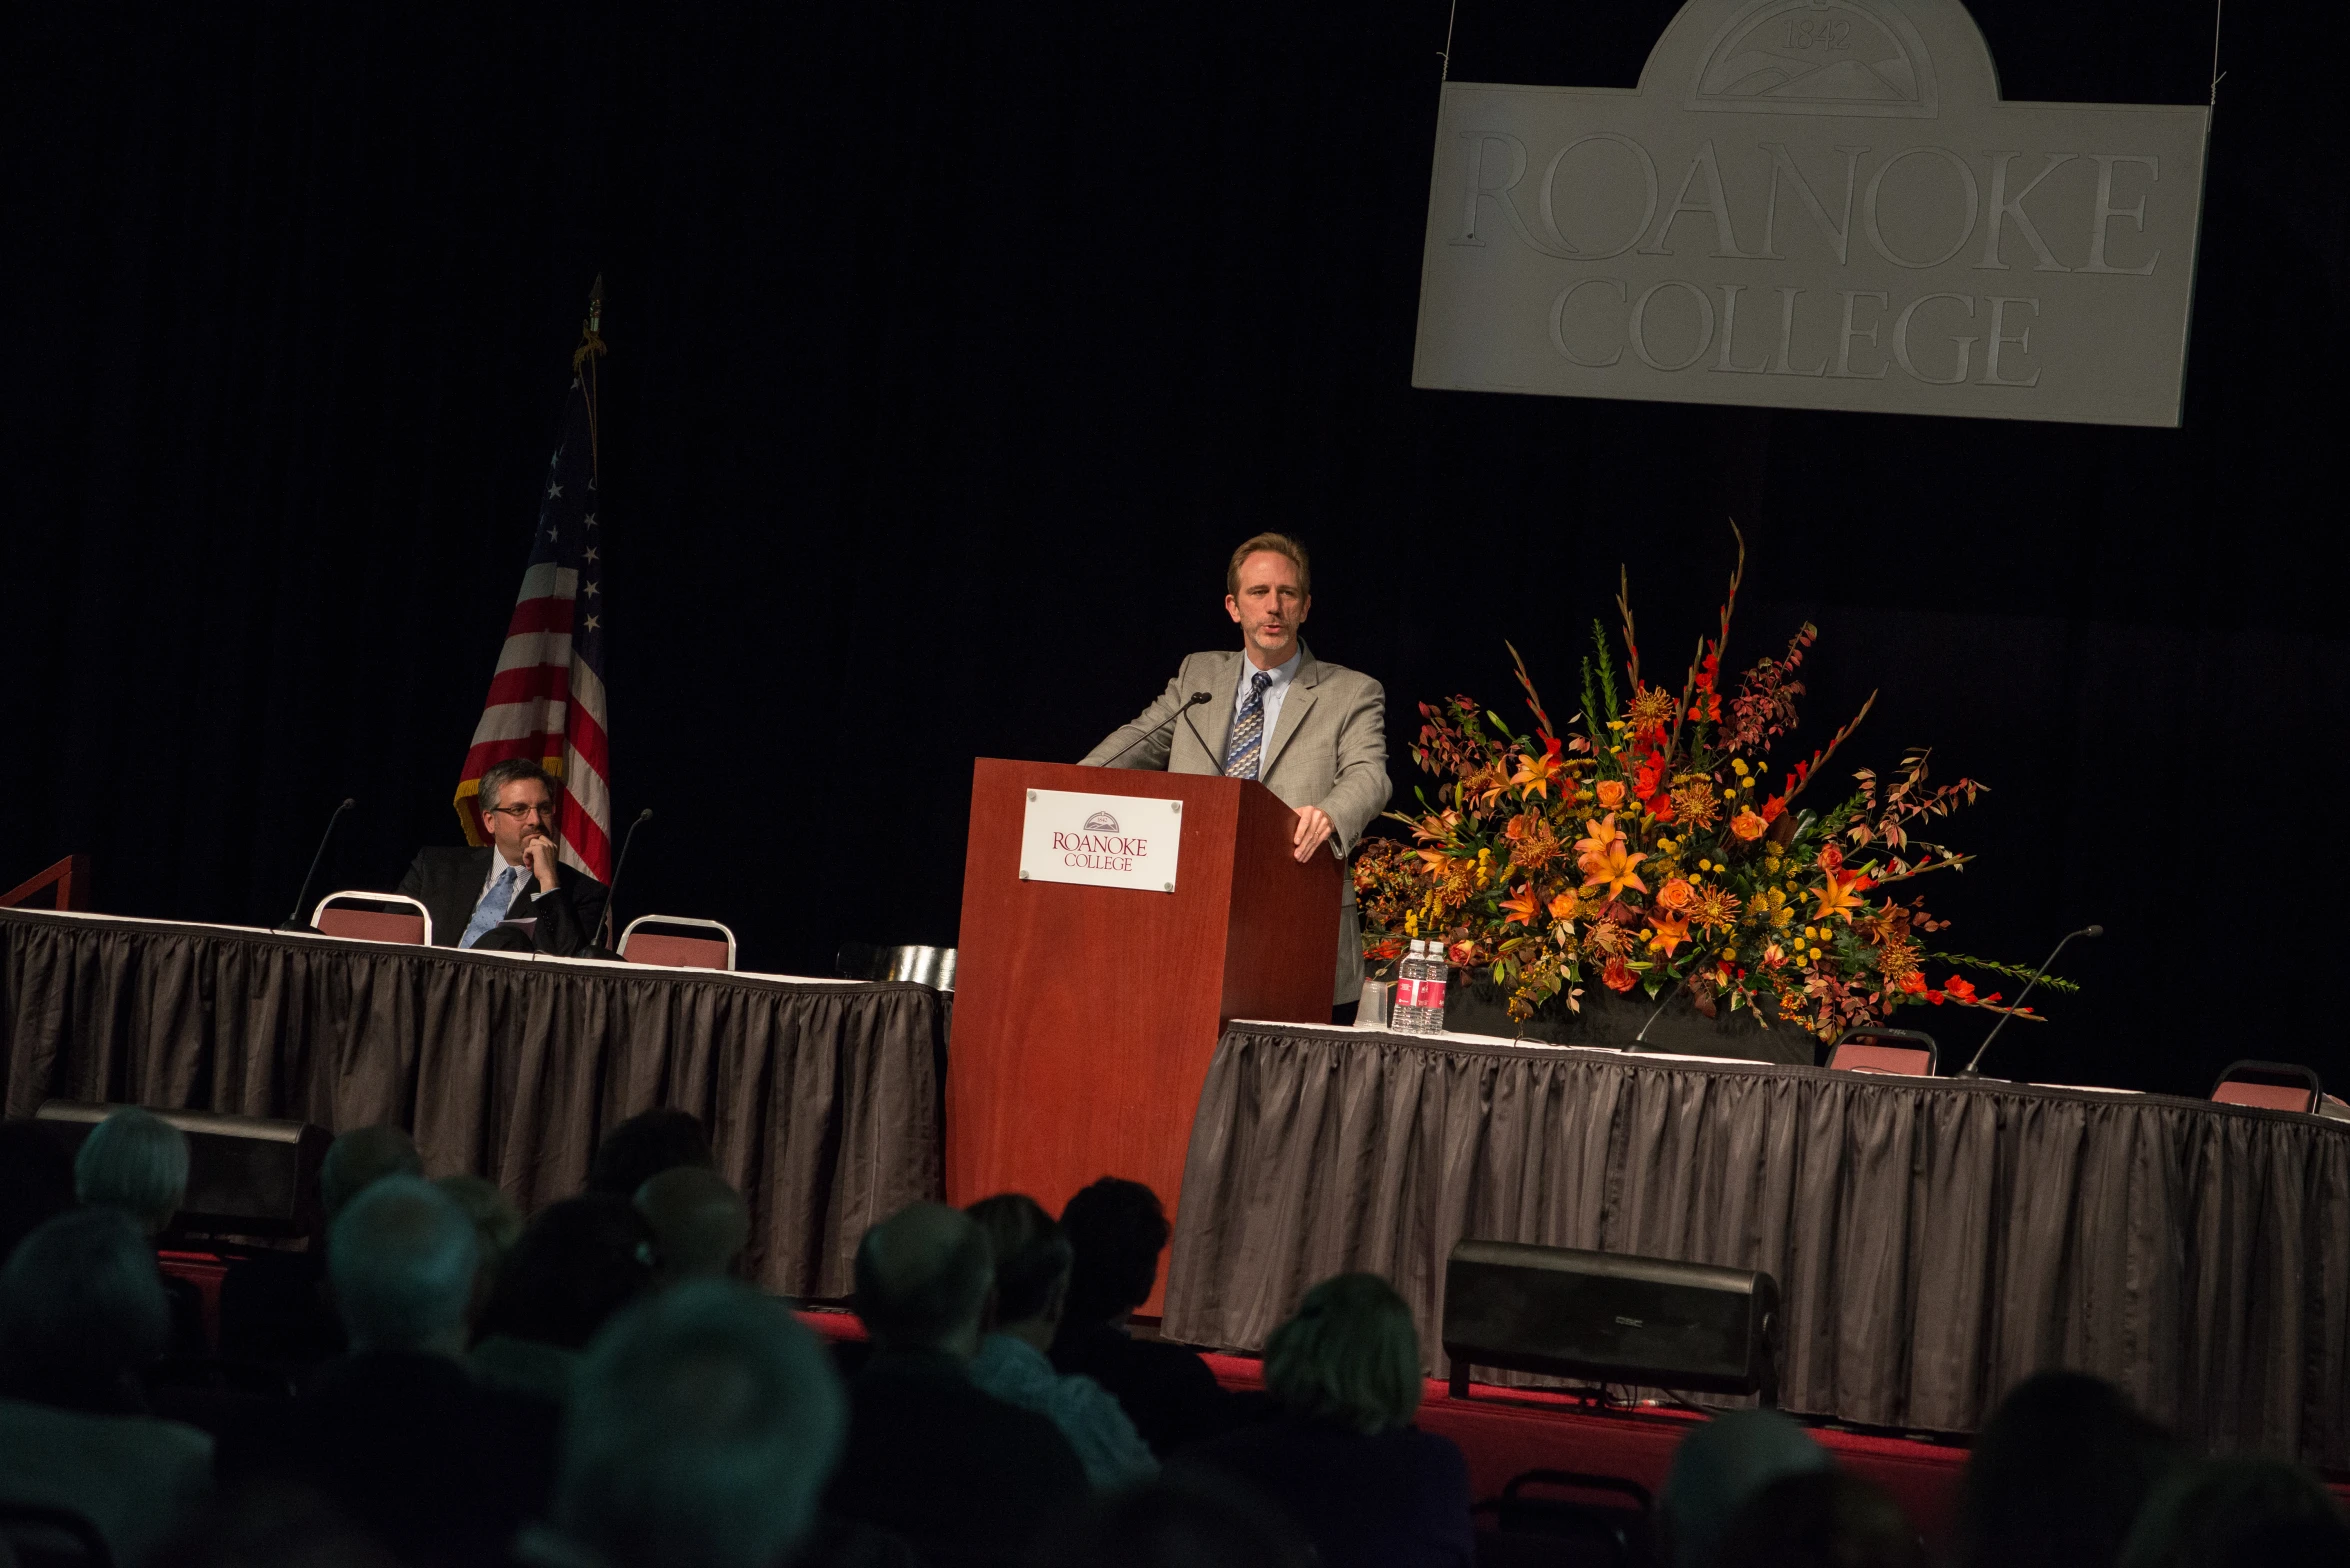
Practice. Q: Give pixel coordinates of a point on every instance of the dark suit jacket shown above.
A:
(413, 1451)
(964, 1477)
(448, 882)
(1172, 1396)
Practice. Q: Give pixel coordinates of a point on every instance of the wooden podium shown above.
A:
(1085, 1016)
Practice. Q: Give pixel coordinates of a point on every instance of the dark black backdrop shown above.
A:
(954, 345)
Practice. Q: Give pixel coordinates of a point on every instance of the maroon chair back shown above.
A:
(2271, 1086)
(676, 952)
(1862, 1056)
(372, 925)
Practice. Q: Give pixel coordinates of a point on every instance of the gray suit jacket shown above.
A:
(1328, 749)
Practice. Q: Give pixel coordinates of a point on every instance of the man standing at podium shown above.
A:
(1314, 734)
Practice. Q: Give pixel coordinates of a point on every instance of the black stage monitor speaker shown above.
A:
(1610, 1318)
(247, 1176)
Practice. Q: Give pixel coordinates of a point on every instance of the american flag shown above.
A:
(546, 700)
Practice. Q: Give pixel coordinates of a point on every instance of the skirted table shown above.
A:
(822, 1098)
(1934, 1241)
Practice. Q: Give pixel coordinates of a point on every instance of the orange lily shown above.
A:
(1612, 867)
(1671, 931)
(1602, 833)
(1525, 909)
(1535, 773)
(1837, 896)
(1434, 829)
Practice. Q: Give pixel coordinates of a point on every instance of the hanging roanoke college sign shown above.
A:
(1814, 204)
(1106, 840)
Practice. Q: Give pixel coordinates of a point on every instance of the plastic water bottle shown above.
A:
(1433, 980)
(1403, 1015)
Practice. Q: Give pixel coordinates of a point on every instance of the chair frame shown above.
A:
(380, 898)
(1894, 1039)
(678, 920)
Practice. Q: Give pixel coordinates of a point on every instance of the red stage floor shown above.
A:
(1505, 1432)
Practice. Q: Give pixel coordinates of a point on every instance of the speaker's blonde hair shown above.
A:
(1278, 544)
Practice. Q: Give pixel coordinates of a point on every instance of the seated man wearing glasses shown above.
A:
(480, 897)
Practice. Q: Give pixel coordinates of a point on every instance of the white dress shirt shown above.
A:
(526, 894)
(1282, 675)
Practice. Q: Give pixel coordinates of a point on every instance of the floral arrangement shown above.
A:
(1644, 846)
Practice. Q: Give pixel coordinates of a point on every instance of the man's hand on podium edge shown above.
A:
(541, 851)
(1313, 831)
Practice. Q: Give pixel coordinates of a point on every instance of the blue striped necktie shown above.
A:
(1248, 731)
(493, 905)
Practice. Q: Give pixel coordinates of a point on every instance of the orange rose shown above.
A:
(1618, 976)
(1748, 826)
(1611, 793)
(1563, 907)
(1676, 894)
(1831, 858)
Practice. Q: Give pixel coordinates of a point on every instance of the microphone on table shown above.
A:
(1968, 1071)
(604, 927)
(1183, 713)
(294, 920)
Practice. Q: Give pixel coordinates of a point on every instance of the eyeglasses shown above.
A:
(524, 813)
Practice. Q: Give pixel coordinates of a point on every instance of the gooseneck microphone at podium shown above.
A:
(1183, 713)
(1968, 1071)
(294, 920)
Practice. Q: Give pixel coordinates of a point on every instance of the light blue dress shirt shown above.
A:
(1089, 1415)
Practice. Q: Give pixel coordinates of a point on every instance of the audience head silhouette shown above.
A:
(1116, 1231)
(497, 1223)
(701, 1433)
(2057, 1475)
(1719, 1469)
(358, 1159)
(2239, 1513)
(82, 1312)
(136, 1162)
(923, 1280)
(578, 1262)
(1821, 1519)
(401, 1258)
(700, 1223)
(644, 1146)
(1032, 1260)
(1350, 1356)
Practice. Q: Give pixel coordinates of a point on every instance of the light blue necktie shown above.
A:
(493, 906)
(1248, 731)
